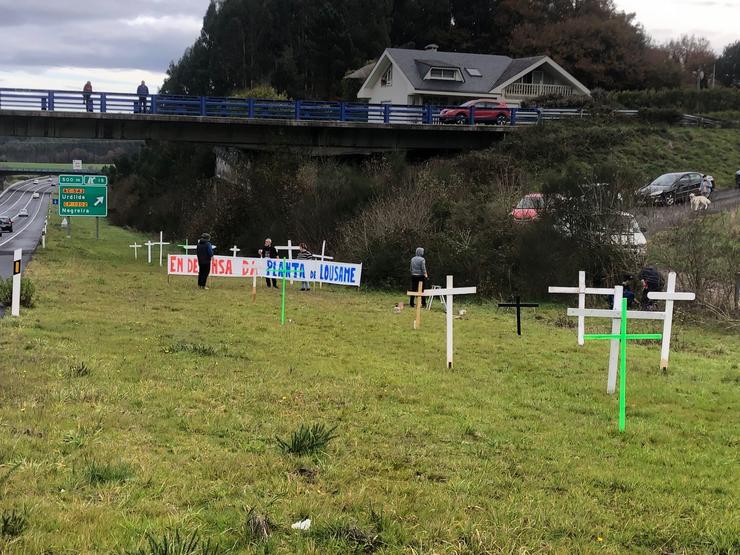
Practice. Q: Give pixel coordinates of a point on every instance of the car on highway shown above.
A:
(35, 181)
(35, 195)
(6, 224)
(670, 188)
(481, 111)
(529, 207)
(23, 213)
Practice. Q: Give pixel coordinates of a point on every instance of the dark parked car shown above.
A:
(6, 224)
(671, 188)
(482, 111)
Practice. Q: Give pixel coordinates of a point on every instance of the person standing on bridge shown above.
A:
(87, 96)
(268, 251)
(204, 250)
(143, 92)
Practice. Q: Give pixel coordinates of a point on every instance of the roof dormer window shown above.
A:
(387, 79)
(444, 74)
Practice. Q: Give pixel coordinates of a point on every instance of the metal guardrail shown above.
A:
(256, 108)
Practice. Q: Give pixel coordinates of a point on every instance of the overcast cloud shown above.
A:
(115, 43)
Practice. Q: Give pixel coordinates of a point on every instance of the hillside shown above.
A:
(165, 417)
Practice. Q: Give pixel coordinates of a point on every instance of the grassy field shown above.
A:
(132, 406)
(672, 149)
(48, 166)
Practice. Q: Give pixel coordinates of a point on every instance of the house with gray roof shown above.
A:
(417, 77)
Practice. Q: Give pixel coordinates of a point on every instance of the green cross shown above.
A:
(623, 337)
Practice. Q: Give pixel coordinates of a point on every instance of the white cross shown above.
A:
(136, 248)
(322, 256)
(667, 316)
(187, 246)
(669, 296)
(582, 291)
(449, 292)
(149, 246)
(161, 244)
(235, 250)
(290, 248)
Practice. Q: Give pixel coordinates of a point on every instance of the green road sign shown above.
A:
(82, 200)
(83, 180)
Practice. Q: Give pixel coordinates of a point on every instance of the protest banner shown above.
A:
(318, 271)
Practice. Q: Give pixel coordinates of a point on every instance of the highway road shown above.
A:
(26, 230)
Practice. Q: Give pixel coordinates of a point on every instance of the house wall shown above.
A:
(398, 93)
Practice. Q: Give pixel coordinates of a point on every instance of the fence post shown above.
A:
(50, 102)
(428, 114)
(250, 107)
(44, 103)
(472, 115)
(103, 102)
(512, 120)
(342, 111)
(297, 114)
(202, 105)
(153, 105)
(386, 113)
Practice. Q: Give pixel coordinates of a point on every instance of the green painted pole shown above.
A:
(623, 369)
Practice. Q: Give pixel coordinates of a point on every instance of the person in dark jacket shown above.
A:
(651, 281)
(204, 250)
(304, 254)
(143, 92)
(268, 251)
(418, 275)
(87, 101)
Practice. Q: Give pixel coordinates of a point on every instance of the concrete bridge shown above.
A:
(315, 137)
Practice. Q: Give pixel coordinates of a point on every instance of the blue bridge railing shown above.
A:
(254, 108)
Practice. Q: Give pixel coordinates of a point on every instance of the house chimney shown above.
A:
(432, 47)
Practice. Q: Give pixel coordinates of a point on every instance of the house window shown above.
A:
(444, 73)
(538, 77)
(387, 79)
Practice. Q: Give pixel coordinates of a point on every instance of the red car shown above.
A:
(529, 207)
(481, 111)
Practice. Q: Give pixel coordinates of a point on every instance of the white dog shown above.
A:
(699, 202)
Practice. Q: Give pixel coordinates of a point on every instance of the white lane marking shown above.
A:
(6, 201)
(17, 234)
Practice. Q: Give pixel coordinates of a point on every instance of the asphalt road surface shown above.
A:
(26, 229)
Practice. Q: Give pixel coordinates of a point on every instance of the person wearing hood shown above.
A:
(204, 250)
(418, 275)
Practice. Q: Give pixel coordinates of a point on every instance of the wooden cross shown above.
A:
(449, 292)
(149, 246)
(290, 248)
(235, 250)
(161, 244)
(581, 291)
(519, 305)
(623, 337)
(187, 246)
(322, 256)
(136, 248)
(418, 294)
(669, 296)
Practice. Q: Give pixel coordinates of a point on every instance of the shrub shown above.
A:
(28, 292)
(660, 115)
(307, 439)
(684, 99)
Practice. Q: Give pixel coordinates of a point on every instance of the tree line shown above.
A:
(303, 48)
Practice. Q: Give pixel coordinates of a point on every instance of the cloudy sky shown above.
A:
(115, 43)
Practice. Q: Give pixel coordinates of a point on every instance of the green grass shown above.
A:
(656, 151)
(515, 450)
(48, 166)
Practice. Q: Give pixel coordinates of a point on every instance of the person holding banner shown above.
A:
(268, 251)
(304, 254)
(204, 250)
